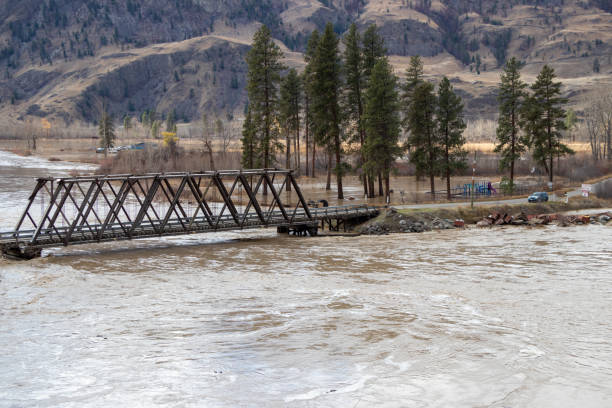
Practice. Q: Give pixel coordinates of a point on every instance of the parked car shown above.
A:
(538, 197)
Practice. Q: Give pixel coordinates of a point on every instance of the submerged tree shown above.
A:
(327, 87)
(511, 98)
(355, 84)
(307, 79)
(450, 130)
(373, 48)
(382, 123)
(290, 105)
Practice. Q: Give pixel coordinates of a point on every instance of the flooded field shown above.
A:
(508, 317)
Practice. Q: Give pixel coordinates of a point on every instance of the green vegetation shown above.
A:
(355, 84)
(544, 120)
(424, 140)
(106, 130)
(290, 106)
(263, 78)
(511, 98)
(327, 87)
(382, 123)
(450, 128)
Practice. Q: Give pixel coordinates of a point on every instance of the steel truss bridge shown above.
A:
(92, 209)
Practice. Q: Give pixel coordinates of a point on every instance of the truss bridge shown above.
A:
(100, 208)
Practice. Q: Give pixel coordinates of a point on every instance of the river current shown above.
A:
(505, 317)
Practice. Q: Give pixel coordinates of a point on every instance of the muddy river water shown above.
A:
(508, 317)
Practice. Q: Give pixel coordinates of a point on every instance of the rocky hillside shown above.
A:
(64, 59)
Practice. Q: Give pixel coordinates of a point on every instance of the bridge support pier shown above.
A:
(299, 230)
(20, 253)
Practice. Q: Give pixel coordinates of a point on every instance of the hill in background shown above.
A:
(63, 59)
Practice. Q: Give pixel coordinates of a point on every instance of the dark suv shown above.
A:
(538, 197)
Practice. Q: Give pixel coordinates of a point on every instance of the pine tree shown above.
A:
(106, 131)
(544, 120)
(414, 76)
(511, 99)
(263, 78)
(290, 105)
(382, 122)
(423, 138)
(307, 79)
(449, 117)
(353, 72)
(249, 143)
(127, 125)
(326, 100)
(171, 122)
(373, 50)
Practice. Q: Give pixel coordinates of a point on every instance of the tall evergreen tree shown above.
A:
(373, 46)
(424, 139)
(250, 157)
(290, 105)
(511, 99)
(127, 124)
(382, 122)
(106, 131)
(373, 49)
(263, 78)
(354, 104)
(307, 79)
(544, 120)
(449, 116)
(327, 85)
(414, 76)
(171, 122)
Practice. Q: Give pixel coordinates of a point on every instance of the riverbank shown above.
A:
(419, 220)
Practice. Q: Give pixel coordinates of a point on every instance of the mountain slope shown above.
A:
(63, 59)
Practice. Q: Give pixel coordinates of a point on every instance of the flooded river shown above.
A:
(508, 317)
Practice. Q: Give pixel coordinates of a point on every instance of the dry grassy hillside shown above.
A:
(147, 64)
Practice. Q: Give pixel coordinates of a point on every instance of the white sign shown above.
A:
(586, 189)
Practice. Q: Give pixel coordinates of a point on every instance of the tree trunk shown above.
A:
(364, 177)
(432, 185)
(210, 155)
(314, 151)
(387, 190)
(371, 191)
(338, 168)
(288, 157)
(329, 171)
(381, 192)
(306, 130)
(448, 188)
(297, 150)
(306, 133)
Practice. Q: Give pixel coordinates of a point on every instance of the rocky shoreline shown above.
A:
(393, 221)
